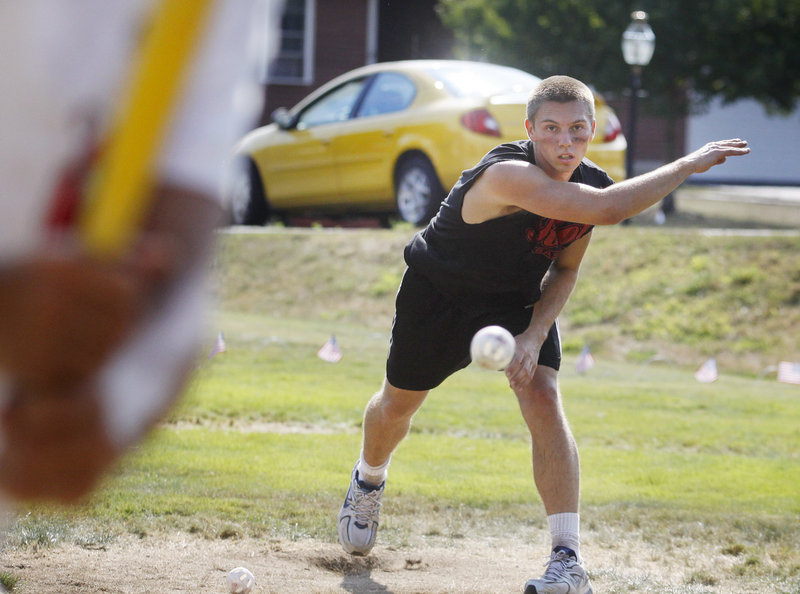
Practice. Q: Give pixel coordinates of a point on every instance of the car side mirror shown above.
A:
(283, 118)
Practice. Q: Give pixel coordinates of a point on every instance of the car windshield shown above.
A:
(472, 79)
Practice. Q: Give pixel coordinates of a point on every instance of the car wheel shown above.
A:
(249, 204)
(417, 190)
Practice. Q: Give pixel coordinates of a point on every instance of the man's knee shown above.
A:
(396, 402)
(541, 395)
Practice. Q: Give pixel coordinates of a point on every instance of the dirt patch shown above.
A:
(271, 427)
(180, 562)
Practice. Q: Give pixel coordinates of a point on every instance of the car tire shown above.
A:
(249, 205)
(418, 191)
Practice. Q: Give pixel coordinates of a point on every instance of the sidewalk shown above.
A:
(775, 205)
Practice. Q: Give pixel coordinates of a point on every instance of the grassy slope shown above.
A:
(677, 294)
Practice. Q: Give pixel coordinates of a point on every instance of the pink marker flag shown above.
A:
(330, 351)
(708, 372)
(788, 372)
(585, 361)
(218, 346)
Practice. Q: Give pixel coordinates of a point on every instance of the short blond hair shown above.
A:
(561, 89)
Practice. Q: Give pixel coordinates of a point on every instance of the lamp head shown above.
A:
(638, 40)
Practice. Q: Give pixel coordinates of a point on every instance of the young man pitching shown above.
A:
(505, 249)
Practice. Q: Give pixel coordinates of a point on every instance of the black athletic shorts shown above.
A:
(431, 335)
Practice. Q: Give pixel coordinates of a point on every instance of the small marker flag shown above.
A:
(708, 372)
(218, 347)
(585, 361)
(330, 351)
(788, 372)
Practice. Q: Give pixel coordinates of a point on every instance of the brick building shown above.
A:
(325, 38)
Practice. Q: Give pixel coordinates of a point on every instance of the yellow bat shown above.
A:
(119, 190)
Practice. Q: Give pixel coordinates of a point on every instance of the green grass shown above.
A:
(651, 438)
(637, 425)
(661, 453)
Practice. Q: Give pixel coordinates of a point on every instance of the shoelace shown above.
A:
(365, 505)
(557, 566)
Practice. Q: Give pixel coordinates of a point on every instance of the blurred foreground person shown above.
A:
(94, 349)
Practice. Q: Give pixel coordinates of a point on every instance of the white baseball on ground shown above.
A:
(240, 580)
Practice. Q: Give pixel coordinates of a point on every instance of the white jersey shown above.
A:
(64, 66)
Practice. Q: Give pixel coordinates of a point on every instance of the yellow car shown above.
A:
(392, 138)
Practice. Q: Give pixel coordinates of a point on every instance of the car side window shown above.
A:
(335, 106)
(389, 92)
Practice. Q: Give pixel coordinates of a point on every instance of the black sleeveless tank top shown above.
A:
(500, 263)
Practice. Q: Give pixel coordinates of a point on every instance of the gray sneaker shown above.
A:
(564, 575)
(358, 518)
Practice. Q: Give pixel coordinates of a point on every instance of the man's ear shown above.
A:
(594, 126)
(529, 128)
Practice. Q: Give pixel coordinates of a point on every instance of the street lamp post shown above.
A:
(638, 44)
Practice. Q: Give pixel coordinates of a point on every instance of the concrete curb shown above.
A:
(758, 204)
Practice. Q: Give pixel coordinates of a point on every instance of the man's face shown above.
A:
(561, 133)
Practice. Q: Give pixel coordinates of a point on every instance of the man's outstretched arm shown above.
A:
(521, 185)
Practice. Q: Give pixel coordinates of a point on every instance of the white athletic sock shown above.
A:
(565, 531)
(372, 475)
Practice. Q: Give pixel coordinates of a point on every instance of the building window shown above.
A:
(294, 63)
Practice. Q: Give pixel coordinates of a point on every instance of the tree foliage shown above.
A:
(730, 49)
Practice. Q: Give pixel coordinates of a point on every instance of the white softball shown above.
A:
(240, 580)
(492, 347)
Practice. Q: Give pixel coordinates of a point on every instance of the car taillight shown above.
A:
(612, 128)
(482, 122)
